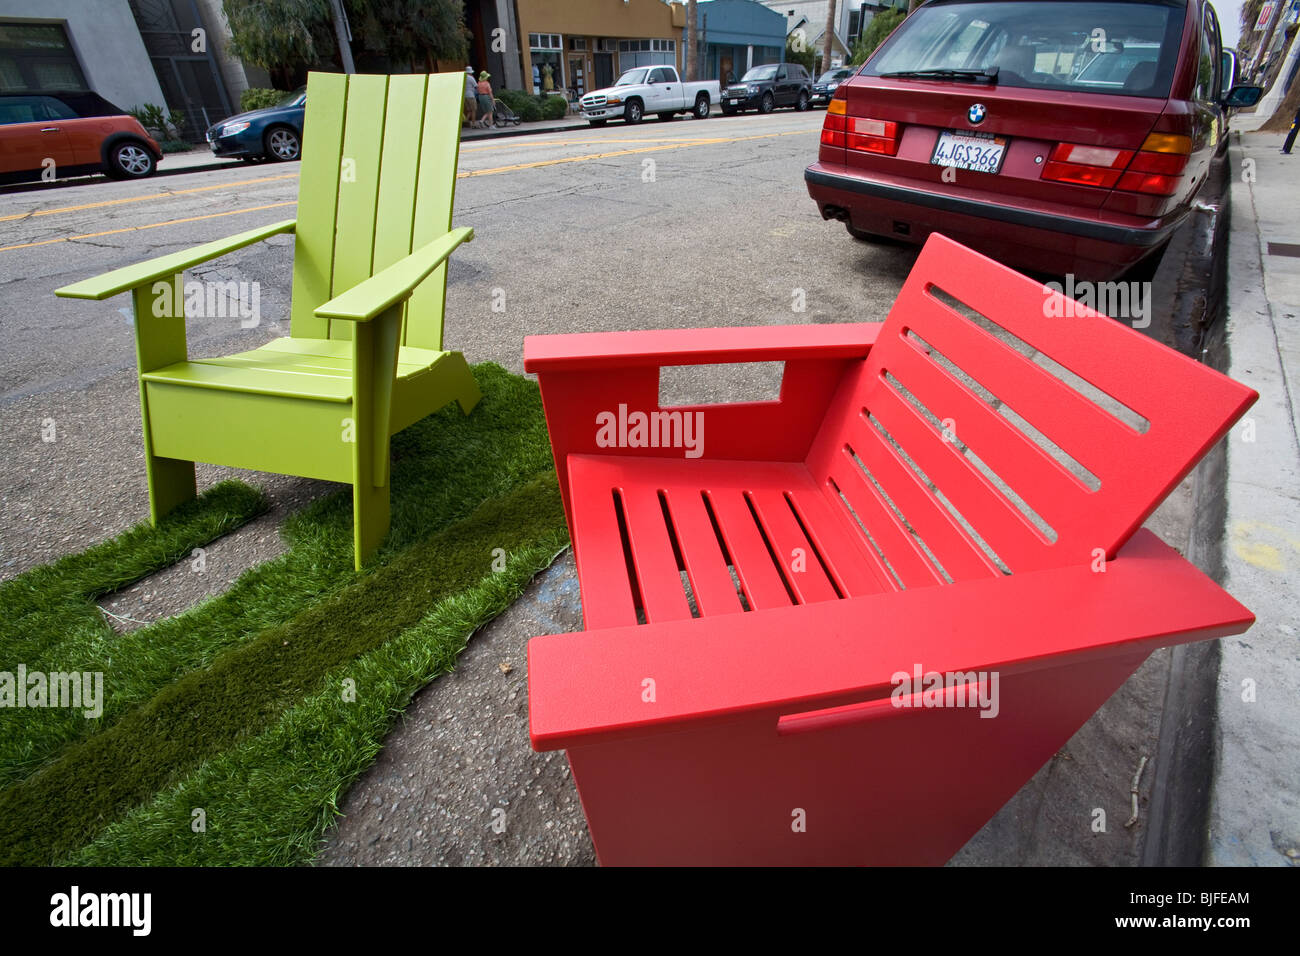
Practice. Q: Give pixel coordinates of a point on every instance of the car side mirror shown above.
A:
(1240, 96)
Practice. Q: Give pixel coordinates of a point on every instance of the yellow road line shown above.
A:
(465, 175)
(130, 199)
(620, 152)
(155, 225)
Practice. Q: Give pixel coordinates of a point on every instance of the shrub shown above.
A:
(175, 146)
(555, 107)
(258, 98)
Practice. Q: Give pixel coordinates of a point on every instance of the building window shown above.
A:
(606, 45)
(37, 56)
(577, 44)
(548, 63)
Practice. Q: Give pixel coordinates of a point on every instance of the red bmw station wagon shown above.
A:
(1059, 136)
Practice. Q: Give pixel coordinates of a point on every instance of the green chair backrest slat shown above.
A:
(378, 181)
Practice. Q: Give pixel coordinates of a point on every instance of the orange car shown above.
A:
(47, 134)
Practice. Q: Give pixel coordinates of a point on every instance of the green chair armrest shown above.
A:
(381, 291)
(164, 267)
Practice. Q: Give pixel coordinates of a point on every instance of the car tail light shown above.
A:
(1158, 166)
(834, 127)
(1086, 165)
(872, 135)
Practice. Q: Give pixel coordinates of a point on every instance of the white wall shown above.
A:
(104, 35)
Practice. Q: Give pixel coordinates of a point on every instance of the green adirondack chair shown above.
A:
(364, 358)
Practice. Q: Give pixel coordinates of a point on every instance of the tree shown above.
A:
(830, 35)
(280, 35)
(877, 31)
(796, 51)
(410, 33)
(284, 36)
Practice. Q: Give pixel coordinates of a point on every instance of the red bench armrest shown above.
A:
(590, 686)
(771, 343)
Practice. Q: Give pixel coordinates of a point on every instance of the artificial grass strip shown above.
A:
(52, 598)
(51, 607)
(443, 467)
(270, 800)
(204, 713)
(205, 681)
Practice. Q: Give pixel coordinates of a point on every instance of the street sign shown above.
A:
(1265, 15)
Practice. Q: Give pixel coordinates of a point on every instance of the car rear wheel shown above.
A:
(282, 144)
(701, 110)
(130, 160)
(802, 103)
(768, 103)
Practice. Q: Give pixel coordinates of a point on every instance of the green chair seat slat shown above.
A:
(258, 380)
(436, 191)
(318, 182)
(399, 172)
(303, 368)
(358, 185)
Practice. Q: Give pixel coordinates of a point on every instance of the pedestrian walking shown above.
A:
(1290, 137)
(471, 97)
(485, 100)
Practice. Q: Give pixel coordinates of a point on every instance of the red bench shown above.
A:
(930, 495)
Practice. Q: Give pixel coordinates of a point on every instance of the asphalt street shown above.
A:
(667, 224)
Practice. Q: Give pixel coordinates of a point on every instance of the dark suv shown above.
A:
(828, 83)
(766, 87)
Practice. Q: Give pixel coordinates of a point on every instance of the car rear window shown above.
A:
(1123, 48)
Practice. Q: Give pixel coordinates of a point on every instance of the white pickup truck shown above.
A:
(650, 89)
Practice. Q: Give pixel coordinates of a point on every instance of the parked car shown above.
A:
(274, 133)
(828, 83)
(1062, 136)
(71, 134)
(650, 89)
(766, 87)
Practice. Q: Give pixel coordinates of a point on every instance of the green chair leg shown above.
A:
(171, 484)
(371, 518)
(461, 381)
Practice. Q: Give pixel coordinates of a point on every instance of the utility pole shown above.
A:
(344, 36)
(692, 43)
(830, 36)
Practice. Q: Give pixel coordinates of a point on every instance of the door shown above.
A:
(29, 137)
(781, 87)
(577, 76)
(657, 96)
(604, 69)
(672, 95)
(84, 135)
(726, 70)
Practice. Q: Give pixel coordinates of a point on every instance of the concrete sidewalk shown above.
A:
(1255, 799)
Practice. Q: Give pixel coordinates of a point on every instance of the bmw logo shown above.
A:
(976, 114)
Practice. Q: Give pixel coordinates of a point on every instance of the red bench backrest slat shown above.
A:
(1048, 429)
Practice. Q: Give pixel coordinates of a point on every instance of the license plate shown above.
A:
(732, 102)
(980, 152)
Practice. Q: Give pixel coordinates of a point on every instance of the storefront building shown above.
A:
(735, 35)
(574, 48)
